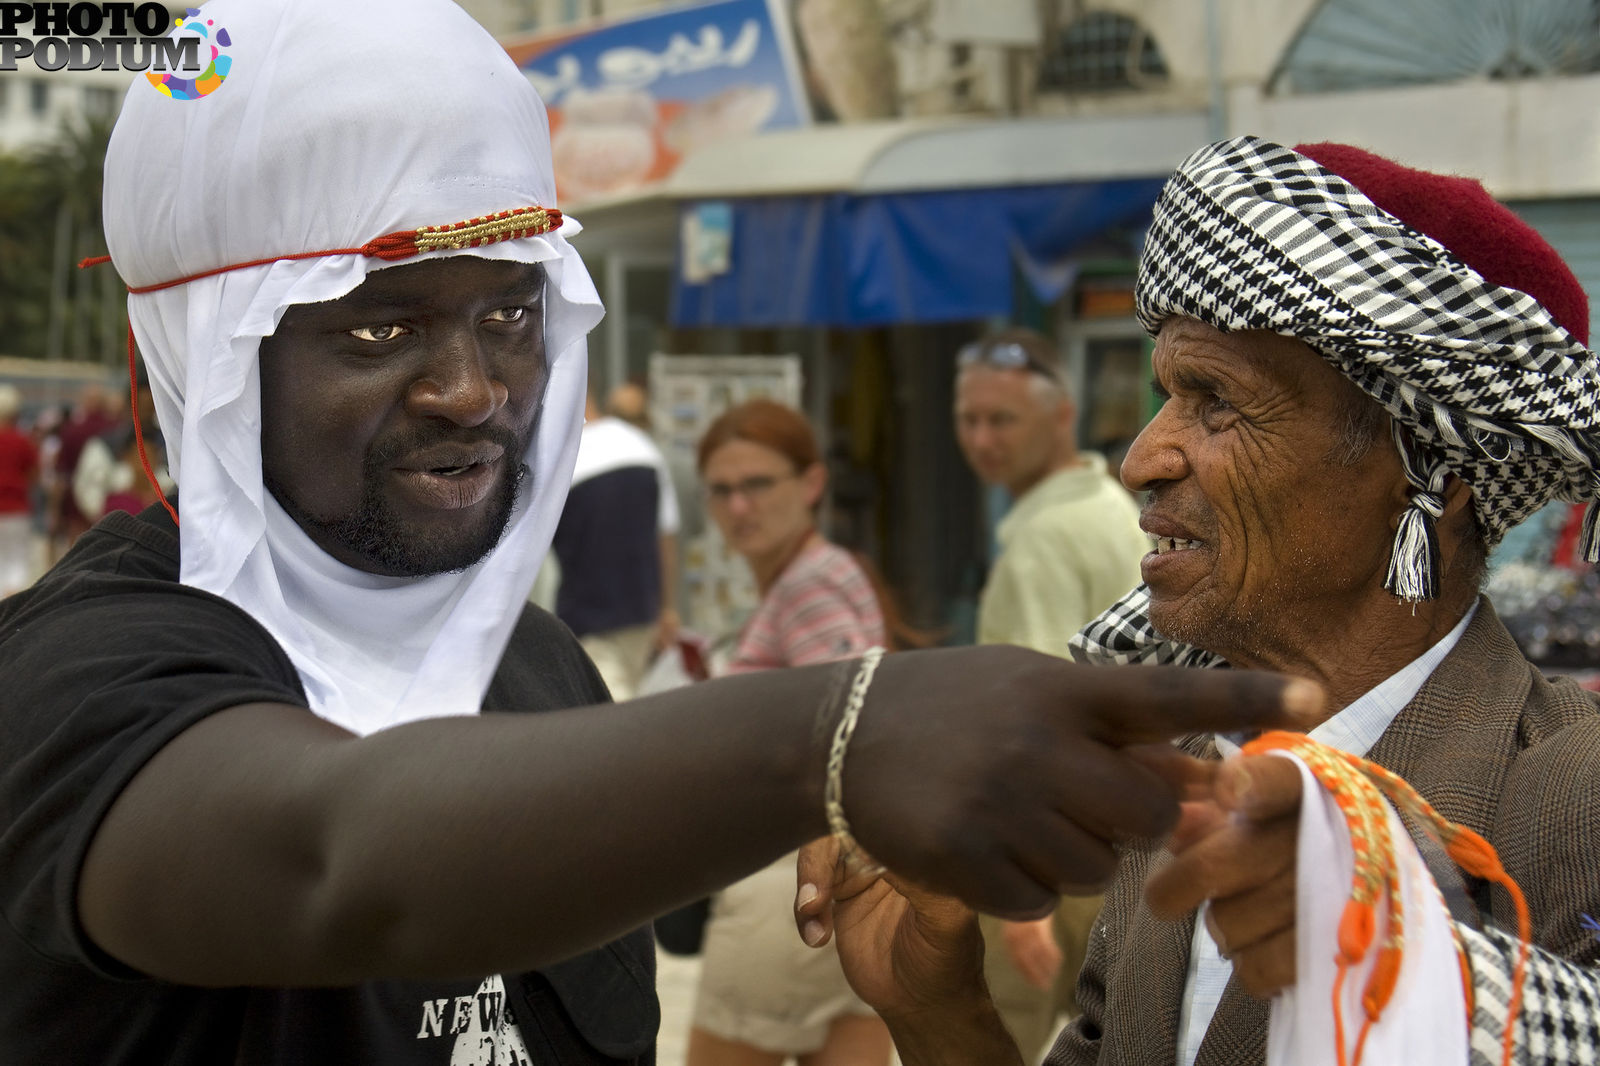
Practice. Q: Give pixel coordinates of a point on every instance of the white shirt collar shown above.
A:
(1357, 728)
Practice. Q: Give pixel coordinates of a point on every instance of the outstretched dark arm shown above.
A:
(264, 846)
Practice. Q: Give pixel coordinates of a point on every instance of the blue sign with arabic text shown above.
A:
(629, 99)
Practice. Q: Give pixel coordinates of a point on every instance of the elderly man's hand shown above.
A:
(903, 949)
(915, 956)
(1238, 851)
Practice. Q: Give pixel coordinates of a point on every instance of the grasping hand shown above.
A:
(1238, 850)
(904, 950)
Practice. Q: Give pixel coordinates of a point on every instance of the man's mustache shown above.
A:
(388, 452)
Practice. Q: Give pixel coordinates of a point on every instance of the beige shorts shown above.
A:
(759, 983)
(621, 656)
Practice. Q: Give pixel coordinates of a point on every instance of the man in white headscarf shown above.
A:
(252, 811)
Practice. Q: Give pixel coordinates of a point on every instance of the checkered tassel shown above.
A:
(1414, 561)
(1590, 544)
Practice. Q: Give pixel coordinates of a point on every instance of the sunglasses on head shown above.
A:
(1007, 355)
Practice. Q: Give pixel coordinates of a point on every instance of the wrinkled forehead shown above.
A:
(1256, 359)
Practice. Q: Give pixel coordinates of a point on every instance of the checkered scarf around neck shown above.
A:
(1480, 379)
(338, 124)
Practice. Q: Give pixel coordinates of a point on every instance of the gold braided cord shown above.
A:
(503, 226)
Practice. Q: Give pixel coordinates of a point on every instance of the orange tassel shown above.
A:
(1356, 929)
(1359, 788)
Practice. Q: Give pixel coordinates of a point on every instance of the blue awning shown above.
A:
(844, 259)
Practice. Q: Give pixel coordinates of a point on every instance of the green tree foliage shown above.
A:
(49, 220)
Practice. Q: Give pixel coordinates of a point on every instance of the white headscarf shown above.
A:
(337, 123)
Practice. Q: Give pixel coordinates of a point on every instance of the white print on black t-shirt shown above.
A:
(486, 1032)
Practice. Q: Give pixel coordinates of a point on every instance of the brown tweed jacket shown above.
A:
(1492, 745)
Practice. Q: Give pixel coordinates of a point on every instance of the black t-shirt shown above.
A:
(102, 663)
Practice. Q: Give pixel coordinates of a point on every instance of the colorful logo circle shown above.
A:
(211, 37)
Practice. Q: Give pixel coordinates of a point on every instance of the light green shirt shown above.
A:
(1069, 548)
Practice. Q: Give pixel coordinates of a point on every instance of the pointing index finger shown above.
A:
(1156, 703)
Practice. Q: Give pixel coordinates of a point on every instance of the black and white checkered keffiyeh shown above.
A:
(1559, 1024)
(1480, 380)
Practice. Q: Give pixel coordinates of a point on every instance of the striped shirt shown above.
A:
(821, 608)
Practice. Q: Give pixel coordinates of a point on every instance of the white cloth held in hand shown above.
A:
(1426, 1019)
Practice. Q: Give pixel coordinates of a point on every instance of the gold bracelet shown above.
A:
(833, 791)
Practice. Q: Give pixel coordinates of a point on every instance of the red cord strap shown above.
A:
(402, 244)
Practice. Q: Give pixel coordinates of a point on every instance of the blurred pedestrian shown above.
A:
(93, 414)
(45, 432)
(1069, 548)
(110, 476)
(617, 545)
(19, 466)
(764, 996)
(126, 486)
(629, 402)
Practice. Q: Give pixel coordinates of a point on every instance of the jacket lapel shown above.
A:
(1238, 1031)
(1457, 738)
(1156, 966)
(1150, 974)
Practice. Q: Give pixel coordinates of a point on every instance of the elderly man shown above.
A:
(1069, 548)
(253, 813)
(1368, 374)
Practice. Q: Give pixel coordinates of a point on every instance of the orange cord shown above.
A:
(1476, 856)
(1358, 788)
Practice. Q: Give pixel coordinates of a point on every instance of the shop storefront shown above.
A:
(871, 253)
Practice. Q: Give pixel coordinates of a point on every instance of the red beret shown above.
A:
(1461, 215)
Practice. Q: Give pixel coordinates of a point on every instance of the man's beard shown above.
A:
(375, 532)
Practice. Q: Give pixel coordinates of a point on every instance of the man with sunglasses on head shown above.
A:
(1069, 548)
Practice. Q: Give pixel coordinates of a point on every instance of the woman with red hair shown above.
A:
(764, 996)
